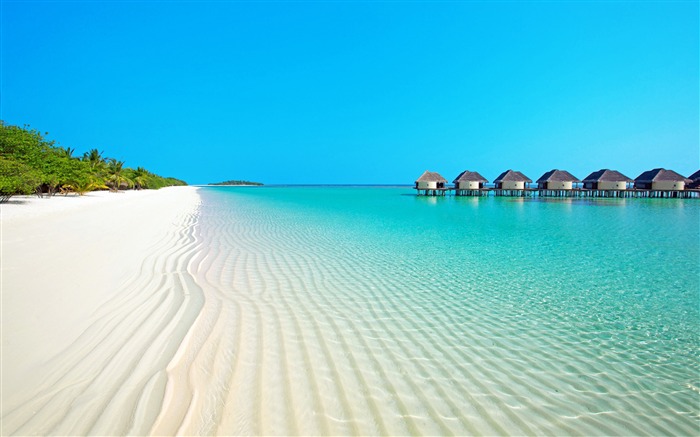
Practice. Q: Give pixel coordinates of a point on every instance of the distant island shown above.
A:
(236, 183)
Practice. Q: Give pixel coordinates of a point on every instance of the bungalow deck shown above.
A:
(573, 193)
(432, 191)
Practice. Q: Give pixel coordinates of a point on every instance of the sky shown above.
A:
(358, 92)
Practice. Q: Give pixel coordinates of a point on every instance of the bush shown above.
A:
(17, 178)
(32, 164)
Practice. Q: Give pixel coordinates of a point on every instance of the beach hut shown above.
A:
(430, 180)
(431, 183)
(511, 180)
(660, 179)
(694, 180)
(469, 180)
(606, 180)
(557, 180)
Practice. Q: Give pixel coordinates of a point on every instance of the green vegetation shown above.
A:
(30, 164)
(236, 183)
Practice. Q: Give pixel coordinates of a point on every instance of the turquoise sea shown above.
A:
(369, 310)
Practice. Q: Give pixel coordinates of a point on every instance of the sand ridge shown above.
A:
(96, 300)
(246, 315)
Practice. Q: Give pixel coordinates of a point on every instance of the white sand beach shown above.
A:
(96, 300)
(200, 312)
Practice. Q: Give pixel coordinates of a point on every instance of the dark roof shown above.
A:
(431, 176)
(467, 175)
(512, 176)
(660, 174)
(695, 178)
(557, 176)
(606, 175)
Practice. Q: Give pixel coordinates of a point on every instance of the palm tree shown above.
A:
(94, 157)
(66, 152)
(83, 186)
(115, 171)
(139, 177)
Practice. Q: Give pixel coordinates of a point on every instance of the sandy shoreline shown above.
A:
(96, 300)
(196, 312)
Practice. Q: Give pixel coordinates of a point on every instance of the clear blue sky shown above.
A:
(359, 92)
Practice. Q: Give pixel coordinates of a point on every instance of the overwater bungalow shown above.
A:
(431, 183)
(557, 180)
(604, 183)
(511, 180)
(660, 179)
(468, 183)
(469, 180)
(606, 180)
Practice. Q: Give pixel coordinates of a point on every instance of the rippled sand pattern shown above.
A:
(310, 328)
(369, 312)
(111, 379)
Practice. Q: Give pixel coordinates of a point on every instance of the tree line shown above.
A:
(30, 164)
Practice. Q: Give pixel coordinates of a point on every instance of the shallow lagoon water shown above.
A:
(356, 310)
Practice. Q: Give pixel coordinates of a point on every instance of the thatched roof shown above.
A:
(695, 178)
(659, 175)
(431, 176)
(469, 176)
(512, 176)
(606, 175)
(557, 176)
